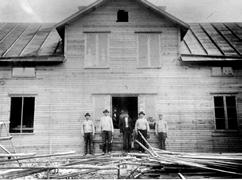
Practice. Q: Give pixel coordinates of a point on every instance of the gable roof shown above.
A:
(212, 42)
(60, 26)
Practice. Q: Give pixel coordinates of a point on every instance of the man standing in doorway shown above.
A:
(107, 130)
(88, 133)
(142, 126)
(126, 128)
(161, 130)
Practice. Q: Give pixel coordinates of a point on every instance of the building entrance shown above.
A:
(119, 104)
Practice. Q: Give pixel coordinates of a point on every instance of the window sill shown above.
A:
(96, 68)
(225, 132)
(21, 134)
(148, 68)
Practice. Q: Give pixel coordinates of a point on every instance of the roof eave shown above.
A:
(210, 59)
(32, 60)
(182, 24)
(78, 13)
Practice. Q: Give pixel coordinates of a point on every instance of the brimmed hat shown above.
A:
(141, 112)
(105, 111)
(87, 114)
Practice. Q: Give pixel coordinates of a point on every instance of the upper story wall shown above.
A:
(120, 45)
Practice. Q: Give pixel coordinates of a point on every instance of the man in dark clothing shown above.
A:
(126, 128)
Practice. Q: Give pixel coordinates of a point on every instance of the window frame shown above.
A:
(224, 95)
(22, 108)
(148, 33)
(23, 76)
(222, 70)
(107, 66)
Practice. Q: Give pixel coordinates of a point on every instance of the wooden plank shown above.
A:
(219, 40)
(5, 138)
(17, 155)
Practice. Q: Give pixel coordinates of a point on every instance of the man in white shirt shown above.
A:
(143, 127)
(88, 133)
(106, 125)
(161, 130)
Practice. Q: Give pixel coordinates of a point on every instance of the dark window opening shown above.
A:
(225, 112)
(119, 104)
(122, 16)
(22, 115)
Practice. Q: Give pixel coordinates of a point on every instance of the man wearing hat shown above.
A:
(161, 129)
(143, 127)
(126, 128)
(88, 133)
(107, 130)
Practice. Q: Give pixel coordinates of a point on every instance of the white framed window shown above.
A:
(96, 50)
(225, 110)
(149, 54)
(22, 114)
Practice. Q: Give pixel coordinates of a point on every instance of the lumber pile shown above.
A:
(155, 163)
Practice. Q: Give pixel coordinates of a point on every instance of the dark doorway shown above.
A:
(129, 104)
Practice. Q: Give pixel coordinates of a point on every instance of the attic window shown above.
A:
(122, 16)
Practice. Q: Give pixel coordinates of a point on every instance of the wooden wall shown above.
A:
(66, 92)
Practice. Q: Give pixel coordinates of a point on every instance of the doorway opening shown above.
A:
(119, 104)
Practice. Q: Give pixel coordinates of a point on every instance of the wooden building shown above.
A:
(118, 55)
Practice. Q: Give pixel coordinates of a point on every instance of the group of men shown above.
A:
(128, 129)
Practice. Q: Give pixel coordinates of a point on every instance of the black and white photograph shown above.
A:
(120, 89)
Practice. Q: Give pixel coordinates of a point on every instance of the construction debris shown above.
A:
(156, 163)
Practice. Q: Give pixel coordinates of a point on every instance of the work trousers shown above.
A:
(107, 138)
(127, 137)
(140, 139)
(88, 138)
(162, 139)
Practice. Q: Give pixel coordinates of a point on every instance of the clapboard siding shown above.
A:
(62, 99)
